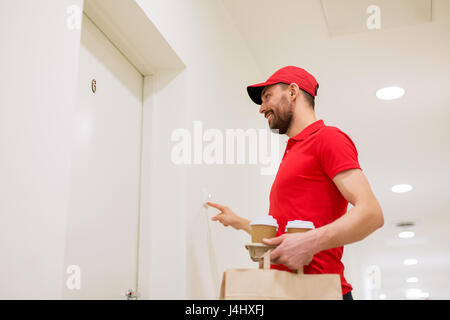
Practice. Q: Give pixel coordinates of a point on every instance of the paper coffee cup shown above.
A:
(263, 227)
(299, 226)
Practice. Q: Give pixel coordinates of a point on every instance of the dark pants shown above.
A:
(348, 296)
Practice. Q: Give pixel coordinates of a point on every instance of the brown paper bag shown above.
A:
(268, 284)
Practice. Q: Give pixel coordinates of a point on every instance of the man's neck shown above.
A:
(300, 122)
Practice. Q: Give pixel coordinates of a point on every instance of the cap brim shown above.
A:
(255, 90)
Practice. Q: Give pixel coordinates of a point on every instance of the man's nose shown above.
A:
(263, 108)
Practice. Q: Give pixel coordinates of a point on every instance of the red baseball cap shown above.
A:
(288, 75)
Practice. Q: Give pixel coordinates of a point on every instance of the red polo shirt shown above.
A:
(303, 188)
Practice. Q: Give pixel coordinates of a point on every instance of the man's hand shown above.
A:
(228, 218)
(294, 249)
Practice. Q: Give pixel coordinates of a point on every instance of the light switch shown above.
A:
(206, 197)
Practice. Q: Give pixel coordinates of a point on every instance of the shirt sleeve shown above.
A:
(336, 152)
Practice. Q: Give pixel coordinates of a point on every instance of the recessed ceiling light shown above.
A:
(401, 188)
(406, 234)
(416, 294)
(382, 296)
(410, 262)
(390, 93)
(412, 280)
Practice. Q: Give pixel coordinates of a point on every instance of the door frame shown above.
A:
(132, 32)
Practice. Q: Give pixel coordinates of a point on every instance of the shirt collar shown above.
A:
(309, 130)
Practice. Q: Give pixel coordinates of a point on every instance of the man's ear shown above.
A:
(293, 90)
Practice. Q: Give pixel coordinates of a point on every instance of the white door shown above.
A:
(102, 231)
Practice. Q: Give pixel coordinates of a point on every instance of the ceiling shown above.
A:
(400, 141)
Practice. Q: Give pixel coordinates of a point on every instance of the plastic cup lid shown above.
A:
(299, 224)
(267, 220)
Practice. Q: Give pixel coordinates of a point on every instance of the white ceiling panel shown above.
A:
(352, 16)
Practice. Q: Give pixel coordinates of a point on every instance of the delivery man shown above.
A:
(318, 176)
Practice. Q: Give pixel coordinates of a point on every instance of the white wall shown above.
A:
(177, 259)
(162, 267)
(38, 67)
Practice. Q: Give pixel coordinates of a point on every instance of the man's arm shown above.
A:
(228, 218)
(364, 218)
(297, 249)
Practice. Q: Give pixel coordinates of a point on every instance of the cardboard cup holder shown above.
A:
(257, 250)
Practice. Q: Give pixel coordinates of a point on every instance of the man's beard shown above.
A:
(281, 120)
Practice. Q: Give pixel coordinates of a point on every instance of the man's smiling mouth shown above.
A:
(269, 115)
